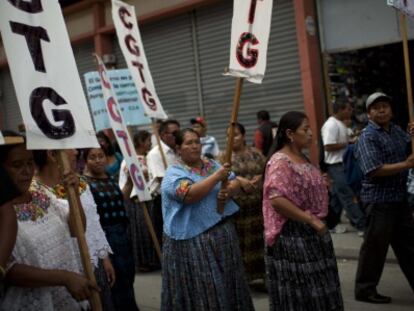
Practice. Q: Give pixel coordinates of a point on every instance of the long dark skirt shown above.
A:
(205, 272)
(123, 262)
(105, 293)
(302, 271)
(145, 256)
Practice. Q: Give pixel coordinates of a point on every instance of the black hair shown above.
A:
(40, 158)
(263, 115)
(109, 150)
(140, 137)
(164, 125)
(291, 120)
(8, 189)
(179, 136)
(241, 128)
(340, 104)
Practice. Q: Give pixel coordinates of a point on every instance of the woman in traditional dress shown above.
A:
(248, 164)
(48, 178)
(202, 264)
(300, 260)
(109, 199)
(145, 256)
(46, 274)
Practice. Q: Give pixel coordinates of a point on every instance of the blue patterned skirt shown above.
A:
(302, 272)
(205, 272)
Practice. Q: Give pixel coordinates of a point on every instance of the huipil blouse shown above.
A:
(187, 220)
(95, 236)
(300, 183)
(43, 241)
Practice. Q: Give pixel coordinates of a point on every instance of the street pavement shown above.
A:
(393, 282)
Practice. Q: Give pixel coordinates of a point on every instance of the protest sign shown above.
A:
(405, 6)
(45, 76)
(130, 41)
(122, 135)
(126, 93)
(249, 39)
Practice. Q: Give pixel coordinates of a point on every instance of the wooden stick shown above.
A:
(157, 136)
(403, 29)
(13, 140)
(151, 230)
(230, 135)
(75, 206)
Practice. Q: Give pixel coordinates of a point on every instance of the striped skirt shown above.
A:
(105, 293)
(205, 272)
(302, 272)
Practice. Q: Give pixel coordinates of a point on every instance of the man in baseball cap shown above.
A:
(381, 154)
(209, 146)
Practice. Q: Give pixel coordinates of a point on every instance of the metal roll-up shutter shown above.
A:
(168, 46)
(85, 61)
(8, 102)
(281, 89)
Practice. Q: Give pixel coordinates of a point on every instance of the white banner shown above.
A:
(406, 6)
(123, 138)
(249, 39)
(45, 76)
(1, 139)
(129, 38)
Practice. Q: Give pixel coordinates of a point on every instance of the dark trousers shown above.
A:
(342, 197)
(387, 224)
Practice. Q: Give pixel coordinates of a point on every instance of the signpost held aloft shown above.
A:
(49, 92)
(248, 54)
(406, 7)
(124, 140)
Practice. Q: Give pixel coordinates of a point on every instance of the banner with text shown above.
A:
(126, 93)
(406, 6)
(249, 39)
(122, 136)
(45, 76)
(129, 37)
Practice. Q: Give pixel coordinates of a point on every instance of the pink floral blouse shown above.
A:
(302, 184)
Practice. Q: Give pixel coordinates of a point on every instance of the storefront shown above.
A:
(362, 52)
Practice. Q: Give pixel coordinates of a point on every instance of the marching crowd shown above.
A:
(265, 218)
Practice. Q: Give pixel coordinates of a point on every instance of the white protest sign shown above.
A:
(129, 37)
(45, 76)
(1, 139)
(249, 39)
(406, 6)
(122, 136)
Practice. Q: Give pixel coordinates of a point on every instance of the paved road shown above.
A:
(393, 283)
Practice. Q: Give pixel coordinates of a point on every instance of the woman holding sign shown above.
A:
(46, 270)
(202, 263)
(300, 260)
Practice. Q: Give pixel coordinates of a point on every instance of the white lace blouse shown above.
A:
(43, 241)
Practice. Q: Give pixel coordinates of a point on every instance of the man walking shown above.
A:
(335, 141)
(381, 152)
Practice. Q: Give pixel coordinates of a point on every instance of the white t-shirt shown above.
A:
(156, 166)
(334, 131)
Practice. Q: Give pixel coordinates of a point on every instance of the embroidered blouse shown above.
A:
(302, 184)
(187, 220)
(43, 241)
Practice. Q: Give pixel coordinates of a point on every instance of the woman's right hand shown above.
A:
(78, 286)
(318, 225)
(223, 172)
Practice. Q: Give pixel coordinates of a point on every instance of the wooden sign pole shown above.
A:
(403, 30)
(157, 136)
(230, 135)
(75, 206)
(151, 230)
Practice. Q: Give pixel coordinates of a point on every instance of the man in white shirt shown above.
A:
(335, 141)
(156, 166)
